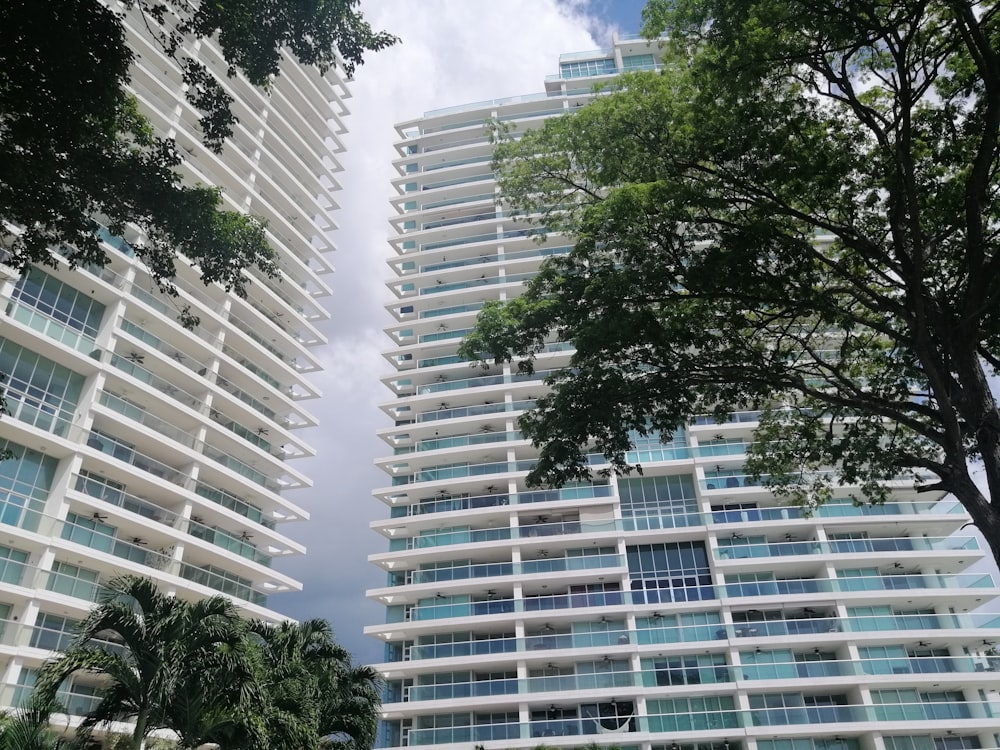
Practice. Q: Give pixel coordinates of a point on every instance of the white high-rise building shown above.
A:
(142, 447)
(684, 609)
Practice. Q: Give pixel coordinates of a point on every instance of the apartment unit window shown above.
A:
(886, 618)
(53, 633)
(778, 709)
(914, 705)
(614, 717)
(657, 496)
(675, 572)
(39, 391)
(25, 685)
(638, 62)
(784, 664)
(692, 714)
(439, 645)
(89, 532)
(584, 68)
(655, 441)
(12, 562)
(60, 302)
(685, 627)
(72, 580)
(24, 486)
(686, 669)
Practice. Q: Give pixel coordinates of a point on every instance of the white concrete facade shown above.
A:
(143, 447)
(685, 609)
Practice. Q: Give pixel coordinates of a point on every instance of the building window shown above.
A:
(676, 572)
(24, 486)
(657, 496)
(58, 301)
(638, 62)
(584, 68)
(38, 391)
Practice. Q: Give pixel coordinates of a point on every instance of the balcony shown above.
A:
(737, 551)
(448, 503)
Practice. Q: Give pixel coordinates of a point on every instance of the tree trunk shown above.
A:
(140, 731)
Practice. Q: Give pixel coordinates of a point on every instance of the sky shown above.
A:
(452, 52)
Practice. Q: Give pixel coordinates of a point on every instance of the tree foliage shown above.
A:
(315, 697)
(28, 728)
(166, 660)
(797, 213)
(74, 146)
(210, 677)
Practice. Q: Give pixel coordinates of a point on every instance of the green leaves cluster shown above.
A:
(200, 671)
(74, 146)
(797, 213)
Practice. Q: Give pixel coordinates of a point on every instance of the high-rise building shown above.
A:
(145, 448)
(687, 608)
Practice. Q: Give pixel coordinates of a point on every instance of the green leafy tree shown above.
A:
(170, 664)
(798, 212)
(316, 698)
(73, 144)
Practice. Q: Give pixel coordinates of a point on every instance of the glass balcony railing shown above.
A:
(238, 588)
(455, 201)
(135, 550)
(493, 569)
(139, 415)
(697, 592)
(731, 481)
(229, 541)
(468, 536)
(473, 411)
(452, 385)
(449, 504)
(52, 328)
(438, 473)
(829, 717)
(737, 417)
(245, 397)
(457, 181)
(31, 409)
(458, 162)
(234, 503)
(474, 283)
(122, 451)
(453, 310)
(463, 572)
(847, 546)
(131, 366)
(482, 438)
(650, 632)
(114, 495)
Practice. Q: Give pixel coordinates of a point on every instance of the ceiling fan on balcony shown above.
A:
(135, 357)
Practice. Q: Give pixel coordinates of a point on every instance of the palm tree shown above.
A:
(169, 663)
(313, 690)
(28, 728)
(351, 711)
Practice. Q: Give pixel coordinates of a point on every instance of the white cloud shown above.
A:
(452, 52)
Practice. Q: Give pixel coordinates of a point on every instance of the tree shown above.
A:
(170, 664)
(73, 144)
(315, 697)
(799, 213)
(28, 728)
